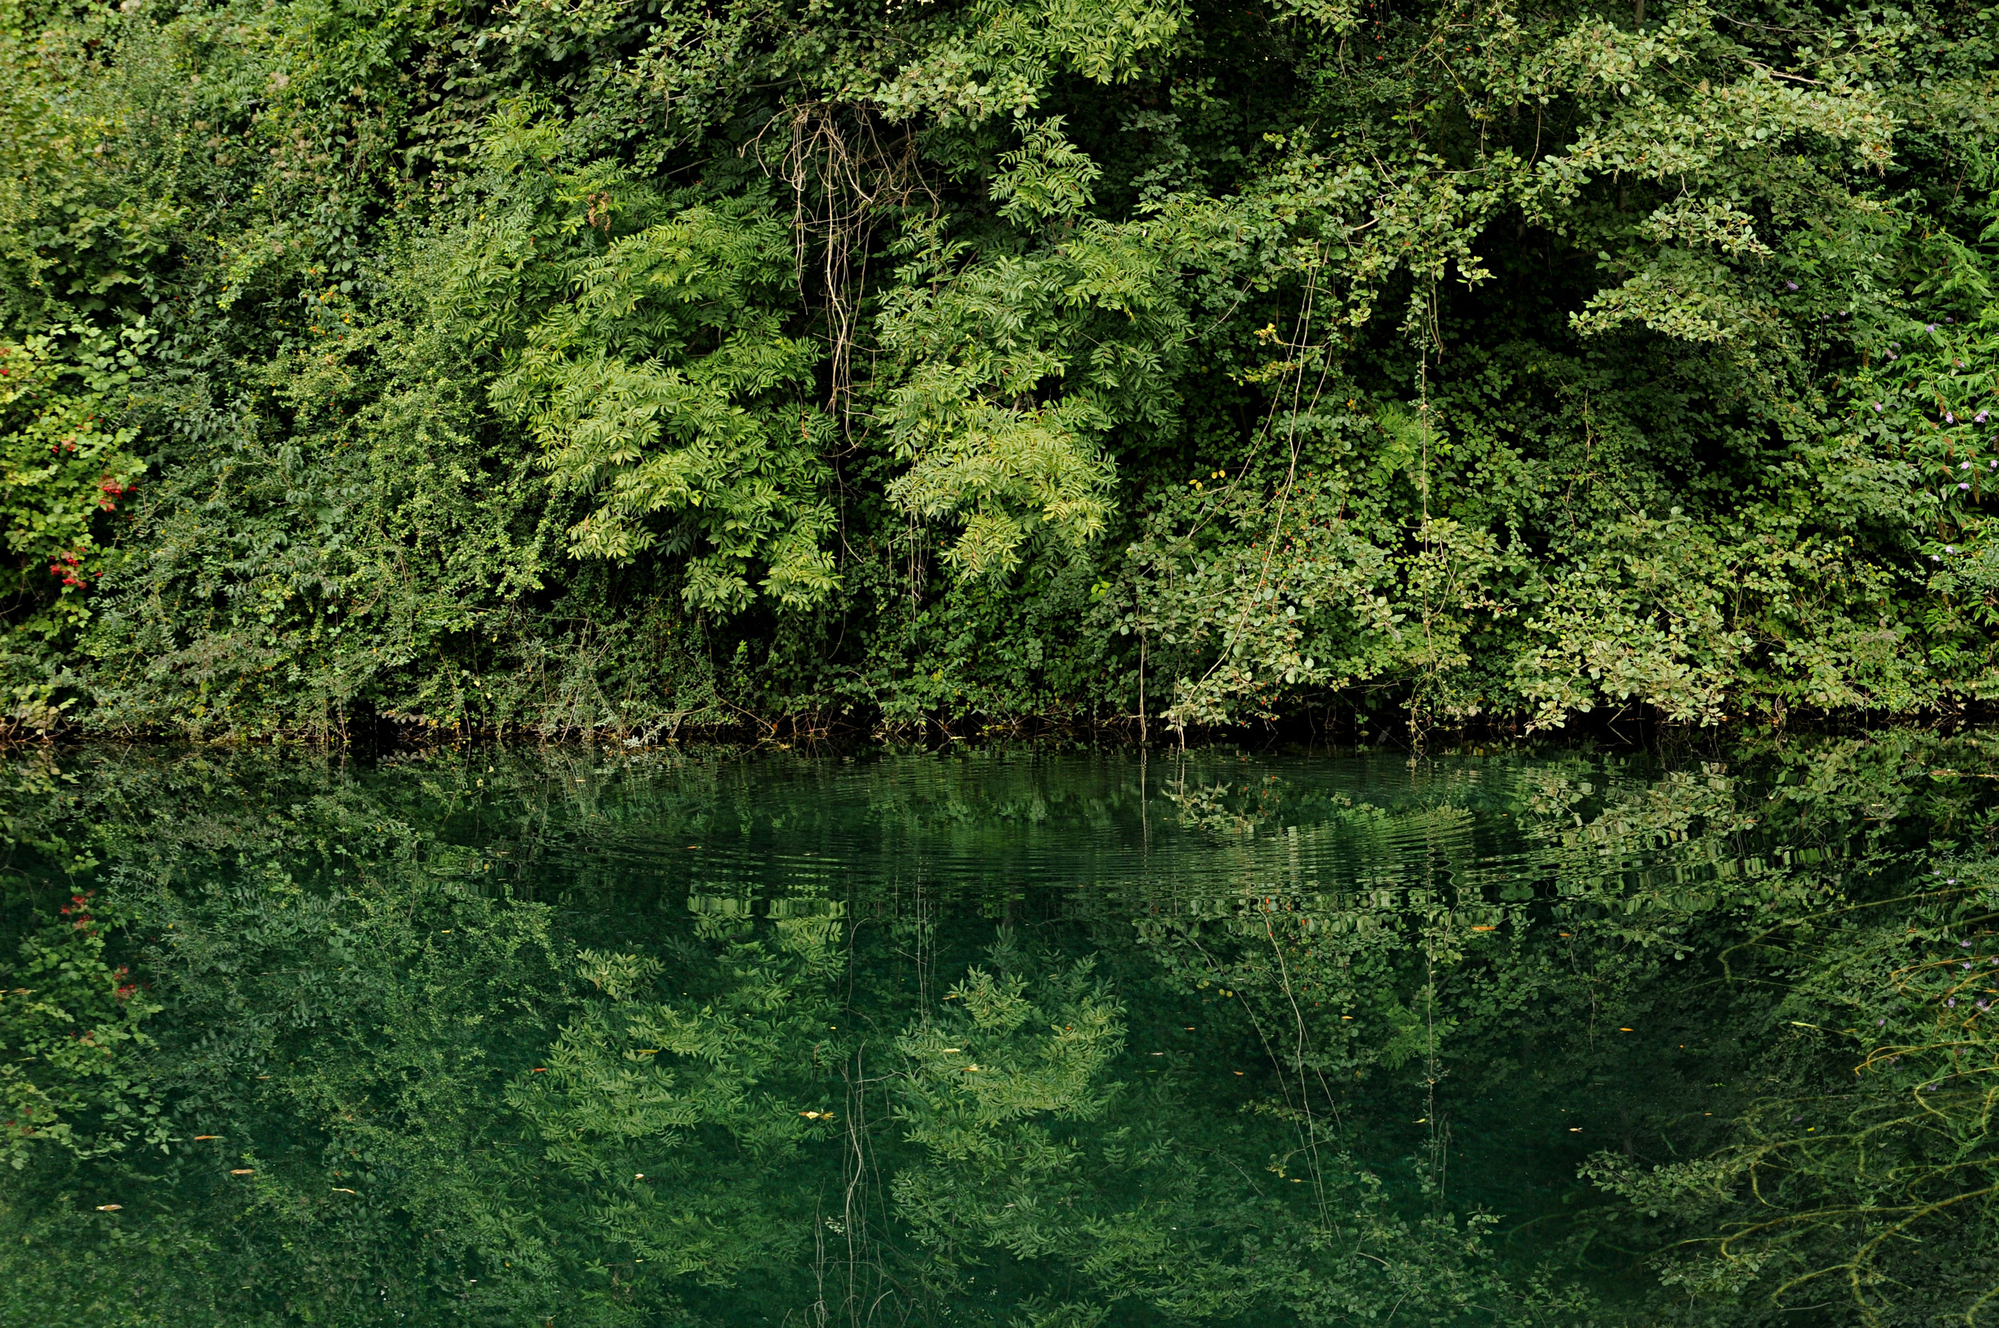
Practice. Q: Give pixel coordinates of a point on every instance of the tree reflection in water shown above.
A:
(1007, 1036)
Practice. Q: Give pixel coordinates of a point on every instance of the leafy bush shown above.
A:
(627, 366)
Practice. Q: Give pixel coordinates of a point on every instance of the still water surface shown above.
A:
(1002, 1036)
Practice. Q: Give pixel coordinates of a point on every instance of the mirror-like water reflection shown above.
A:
(1014, 1037)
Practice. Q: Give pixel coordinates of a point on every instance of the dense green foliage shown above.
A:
(999, 1039)
(620, 365)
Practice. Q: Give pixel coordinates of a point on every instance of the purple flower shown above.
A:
(1952, 1002)
(1877, 408)
(1949, 418)
(1964, 465)
(1791, 285)
(1984, 1005)
(1931, 328)
(1880, 1023)
(1979, 418)
(1964, 486)
(1893, 356)
(1962, 945)
(1965, 964)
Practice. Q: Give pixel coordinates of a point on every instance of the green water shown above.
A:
(991, 1036)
